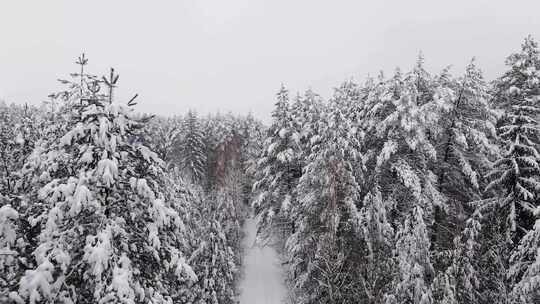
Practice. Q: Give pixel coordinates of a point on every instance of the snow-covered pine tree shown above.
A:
(229, 148)
(277, 169)
(413, 262)
(214, 258)
(492, 259)
(105, 233)
(7, 149)
(402, 167)
(516, 173)
(193, 147)
(326, 213)
(224, 141)
(351, 95)
(20, 128)
(306, 111)
(468, 126)
(525, 267)
(9, 265)
(229, 199)
(353, 99)
(373, 110)
(210, 126)
(252, 133)
(376, 265)
(460, 282)
(213, 219)
(422, 81)
(467, 131)
(161, 136)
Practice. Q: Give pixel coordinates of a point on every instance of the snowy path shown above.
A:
(263, 278)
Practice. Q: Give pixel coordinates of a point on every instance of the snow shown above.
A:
(182, 266)
(7, 231)
(37, 282)
(108, 169)
(122, 277)
(97, 252)
(263, 280)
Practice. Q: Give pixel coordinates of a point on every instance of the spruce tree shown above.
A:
(106, 234)
(9, 234)
(161, 135)
(193, 157)
(468, 126)
(277, 169)
(516, 172)
(327, 212)
(214, 258)
(377, 234)
(525, 267)
(413, 262)
(466, 129)
(460, 282)
(8, 146)
(402, 167)
(305, 113)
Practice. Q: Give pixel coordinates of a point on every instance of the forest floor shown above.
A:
(263, 281)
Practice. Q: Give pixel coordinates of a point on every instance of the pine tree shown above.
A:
(7, 148)
(326, 212)
(213, 222)
(413, 262)
(402, 168)
(211, 125)
(467, 132)
(214, 258)
(193, 147)
(20, 128)
(525, 268)
(305, 113)
(519, 92)
(162, 133)
(376, 266)
(105, 232)
(252, 145)
(516, 172)
(352, 96)
(492, 262)
(9, 234)
(422, 81)
(460, 282)
(277, 169)
(468, 126)
(224, 143)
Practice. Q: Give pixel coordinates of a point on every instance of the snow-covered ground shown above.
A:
(263, 281)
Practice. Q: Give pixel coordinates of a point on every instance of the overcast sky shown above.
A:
(232, 55)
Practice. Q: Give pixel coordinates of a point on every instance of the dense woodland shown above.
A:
(100, 204)
(412, 188)
(409, 188)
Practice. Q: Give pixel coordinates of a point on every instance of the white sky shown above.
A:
(232, 55)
